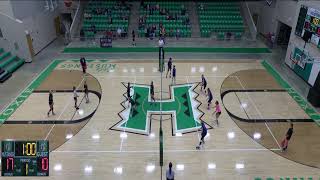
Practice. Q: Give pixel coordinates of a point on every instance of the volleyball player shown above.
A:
(203, 83)
(217, 111)
(51, 103)
(152, 91)
(169, 68)
(83, 63)
(210, 97)
(204, 132)
(86, 91)
(174, 73)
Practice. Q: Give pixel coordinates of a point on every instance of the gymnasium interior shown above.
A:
(160, 90)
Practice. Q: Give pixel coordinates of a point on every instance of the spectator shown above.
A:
(201, 7)
(119, 31)
(178, 34)
(133, 38)
(110, 20)
(161, 42)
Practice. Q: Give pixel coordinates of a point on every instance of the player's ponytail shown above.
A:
(170, 168)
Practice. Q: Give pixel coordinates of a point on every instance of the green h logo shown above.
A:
(181, 107)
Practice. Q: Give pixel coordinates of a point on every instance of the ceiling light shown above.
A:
(231, 135)
(57, 167)
(212, 166)
(180, 167)
(69, 136)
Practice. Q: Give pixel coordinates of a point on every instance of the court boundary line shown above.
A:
(258, 112)
(168, 151)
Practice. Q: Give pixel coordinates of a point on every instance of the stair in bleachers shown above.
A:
(194, 21)
(222, 18)
(8, 65)
(134, 18)
(172, 16)
(106, 17)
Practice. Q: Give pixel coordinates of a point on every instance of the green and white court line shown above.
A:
(15, 104)
(312, 113)
(167, 49)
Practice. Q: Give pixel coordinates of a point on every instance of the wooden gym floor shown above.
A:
(87, 144)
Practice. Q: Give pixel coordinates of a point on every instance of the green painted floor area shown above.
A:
(181, 105)
(168, 49)
(312, 113)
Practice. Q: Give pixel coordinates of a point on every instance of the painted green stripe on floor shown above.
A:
(168, 49)
(312, 113)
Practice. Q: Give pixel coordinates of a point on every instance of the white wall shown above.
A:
(38, 21)
(41, 28)
(26, 8)
(5, 7)
(286, 11)
(13, 32)
(281, 10)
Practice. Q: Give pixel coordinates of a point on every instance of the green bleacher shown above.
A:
(220, 18)
(101, 21)
(170, 26)
(8, 64)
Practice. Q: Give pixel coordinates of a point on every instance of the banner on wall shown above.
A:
(304, 65)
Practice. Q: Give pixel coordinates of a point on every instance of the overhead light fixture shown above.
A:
(201, 69)
(257, 135)
(88, 169)
(118, 170)
(214, 69)
(80, 111)
(141, 70)
(244, 105)
(123, 135)
(231, 135)
(193, 69)
(212, 166)
(180, 167)
(239, 166)
(69, 136)
(125, 70)
(57, 167)
(152, 135)
(95, 136)
(150, 168)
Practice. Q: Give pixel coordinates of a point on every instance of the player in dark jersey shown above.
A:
(204, 132)
(210, 97)
(174, 73)
(203, 83)
(152, 91)
(51, 103)
(169, 68)
(86, 91)
(129, 99)
(83, 63)
(285, 142)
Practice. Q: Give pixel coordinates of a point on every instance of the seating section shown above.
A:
(8, 64)
(222, 18)
(105, 16)
(163, 17)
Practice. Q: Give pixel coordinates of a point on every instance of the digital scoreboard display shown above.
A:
(25, 158)
(309, 20)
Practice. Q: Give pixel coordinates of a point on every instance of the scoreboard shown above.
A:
(25, 158)
(309, 20)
